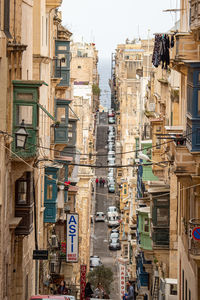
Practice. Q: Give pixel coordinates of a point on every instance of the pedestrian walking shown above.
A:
(88, 291)
(97, 182)
(101, 181)
(131, 294)
(99, 291)
(62, 290)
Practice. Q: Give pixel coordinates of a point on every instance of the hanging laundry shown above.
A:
(164, 51)
(172, 41)
(156, 50)
(161, 51)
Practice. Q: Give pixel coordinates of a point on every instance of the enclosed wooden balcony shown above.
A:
(185, 48)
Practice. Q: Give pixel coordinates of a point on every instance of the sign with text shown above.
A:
(122, 270)
(40, 254)
(72, 238)
(83, 270)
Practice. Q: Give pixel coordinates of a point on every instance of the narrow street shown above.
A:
(103, 201)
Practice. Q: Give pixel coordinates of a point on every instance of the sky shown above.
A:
(109, 22)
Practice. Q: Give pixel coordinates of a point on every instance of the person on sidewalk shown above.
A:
(62, 290)
(103, 182)
(131, 294)
(88, 291)
(97, 182)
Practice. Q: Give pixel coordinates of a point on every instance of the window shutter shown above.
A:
(50, 195)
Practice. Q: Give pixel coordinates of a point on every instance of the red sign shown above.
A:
(83, 270)
(122, 280)
(196, 233)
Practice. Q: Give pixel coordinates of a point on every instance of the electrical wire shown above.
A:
(119, 153)
(101, 155)
(157, 196)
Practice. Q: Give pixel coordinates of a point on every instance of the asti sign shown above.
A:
(72, 238)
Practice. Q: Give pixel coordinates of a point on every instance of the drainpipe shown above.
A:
(14, 21)
(36, 238)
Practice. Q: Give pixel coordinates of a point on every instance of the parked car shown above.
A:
(111, 154)
(111, 188)
(111, 129)
(111, 170)
(111, 113)
(112, 209)
(111, 133)
(110, 139)
(111, 180)
(95, 261)
(114, 235)
(113, 230)
(111, 147)
(111, 120)
(111, 159)
(114, 244)
(113, 220)
(111, 162)
(100, 217)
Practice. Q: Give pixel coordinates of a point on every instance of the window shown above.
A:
(22, 192)
(49, 192)
(61, 115)
(146, 225)
(25, 96)
(198, 102)
(24, 113)
(79, 67)
(162, 216)
(125, 191)
(22, 189)
(125, 250)
(173, 289)
(158, 128)
(158, 146)
(62, 62)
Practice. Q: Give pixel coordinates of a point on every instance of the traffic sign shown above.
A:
(40, 254)
(196, 233)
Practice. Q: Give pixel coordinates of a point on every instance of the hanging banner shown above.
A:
(72, 238)
(83, 270)
(122, 271)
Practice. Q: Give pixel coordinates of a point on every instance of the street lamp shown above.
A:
(21, 136)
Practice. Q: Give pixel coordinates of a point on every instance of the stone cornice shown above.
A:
(51, 4)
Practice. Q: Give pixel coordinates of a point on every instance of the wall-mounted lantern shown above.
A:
(21, 136)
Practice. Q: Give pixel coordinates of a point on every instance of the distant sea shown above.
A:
(104, 68)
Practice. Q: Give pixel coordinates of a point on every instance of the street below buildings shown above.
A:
(103, 201)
